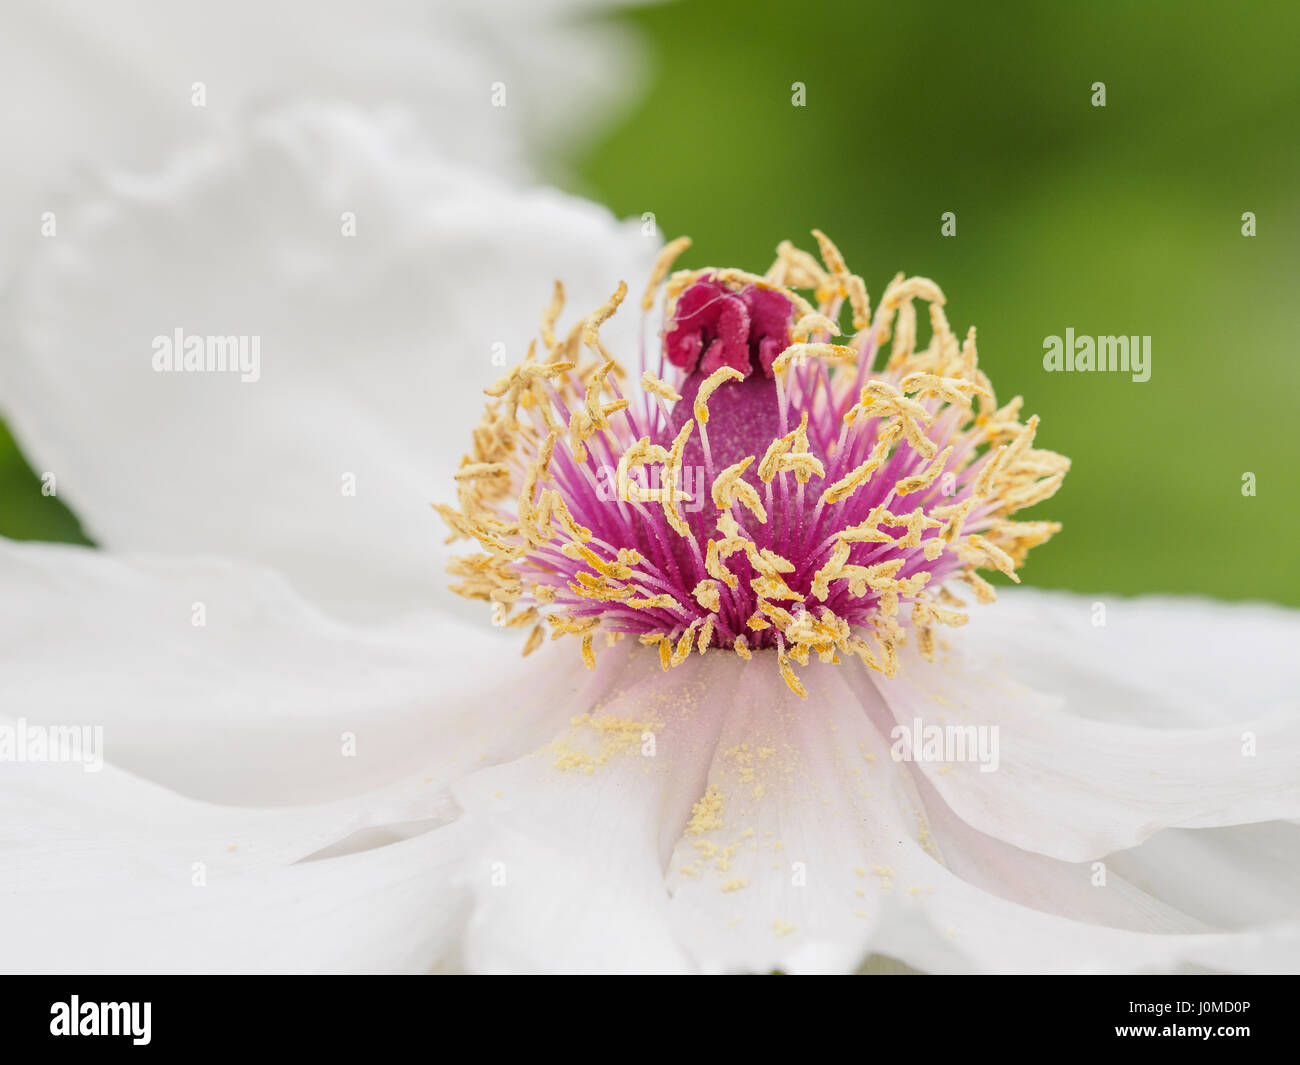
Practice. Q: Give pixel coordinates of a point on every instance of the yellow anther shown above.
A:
(706, 635)
(799, 352)
(729, 487)
(831, 255)
(710, 385)
(684, 644)
(663, 263)
(602, 314)
(670, 495)
(713, 564)
(814, 323)
(926, 477)
(656, 387)
(708, 595)
(552, 315)
(788, 675)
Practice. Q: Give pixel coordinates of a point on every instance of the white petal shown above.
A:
(1230, 878)
(373, 349)
(1154, 660)
(104, 873)
(960, 929)
(108, 872)
(64, 825)
(571, 842)
(798, 831)
(818, 853)
(266, 700)
(1075, 787)
(1095, 893)
(801, 846)
(114, 86)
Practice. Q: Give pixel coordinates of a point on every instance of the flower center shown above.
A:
(777, 491)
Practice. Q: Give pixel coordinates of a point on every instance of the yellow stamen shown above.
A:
(710, 385)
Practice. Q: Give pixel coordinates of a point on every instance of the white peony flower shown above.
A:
(510, 86)
(315, 760)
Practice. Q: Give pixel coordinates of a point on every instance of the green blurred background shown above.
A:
(1125, 219)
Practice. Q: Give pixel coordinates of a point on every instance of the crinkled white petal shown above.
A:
(89, 84)
(102, 872)
(962, 930)
(215, 680)
(801, 846)
(1159, 661)
(112, 860)
(1076, 783)
(1231, 878)
(1092, 892)
(703, 819)
(373, 349)
(817, 851)
(64, 825)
